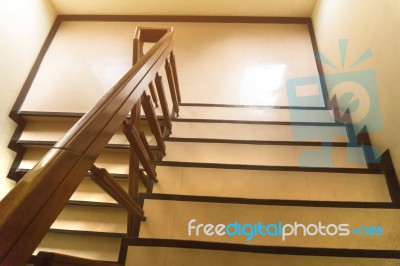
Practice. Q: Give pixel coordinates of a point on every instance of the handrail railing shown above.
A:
(30, 208)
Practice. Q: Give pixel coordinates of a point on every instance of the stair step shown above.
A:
(160, 252)
(255, 184)
(168, 218)
(68, 117)
(52, 131)
(256, 114)
(114, 160)
(257, 132)
(85, 218)
(105, 248)
(272, 155)
(88, 191)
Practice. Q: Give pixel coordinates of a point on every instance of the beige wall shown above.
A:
(24, 25)
(373, 24)
(281, 8)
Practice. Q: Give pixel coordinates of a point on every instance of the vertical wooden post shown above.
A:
(163, 102)
(153, 122)
(153, 93)
(133, 175)
(172, 89)
(175, 75)
(146, 145)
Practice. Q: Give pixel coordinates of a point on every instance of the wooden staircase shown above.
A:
(223, 164)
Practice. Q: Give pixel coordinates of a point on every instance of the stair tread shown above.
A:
(114, 160)
(251, 154)
(168, 219)
(53, 131)
(87, 218)
(255, 132)
(94, 247)
(271, 184)
(158, 252)
(264, 114)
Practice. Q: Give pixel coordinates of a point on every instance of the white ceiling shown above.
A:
(279, 8)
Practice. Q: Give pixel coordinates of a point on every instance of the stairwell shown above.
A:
(225, 164)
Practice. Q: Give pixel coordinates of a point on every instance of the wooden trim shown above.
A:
(272, 168)
(281, 250)
(324, 87)
(364, 140)
(273, 202)
(93, 204)
(91, 233)
(285, 123)
(69, 115)
(264, 142)
(27, 143)
(334, 106)
(183, 18)
(392, 180)
(13, 174)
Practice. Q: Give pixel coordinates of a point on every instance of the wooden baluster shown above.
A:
(144, 178)
(153, 122)
(163, 102)
(104, 180)
(133, 175)
(137, 145)
(172, 89)
(153, 93)
(146, 145)
(175, 75)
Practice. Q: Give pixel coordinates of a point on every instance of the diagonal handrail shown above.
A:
(28, 211)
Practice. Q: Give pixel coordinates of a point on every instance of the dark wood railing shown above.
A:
(30, 208)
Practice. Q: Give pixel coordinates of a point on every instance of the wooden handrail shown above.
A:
(28, 211)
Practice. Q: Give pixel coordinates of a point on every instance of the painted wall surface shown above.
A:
(281, 8)
(24, 26)
(374, 25)
(215, 63)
